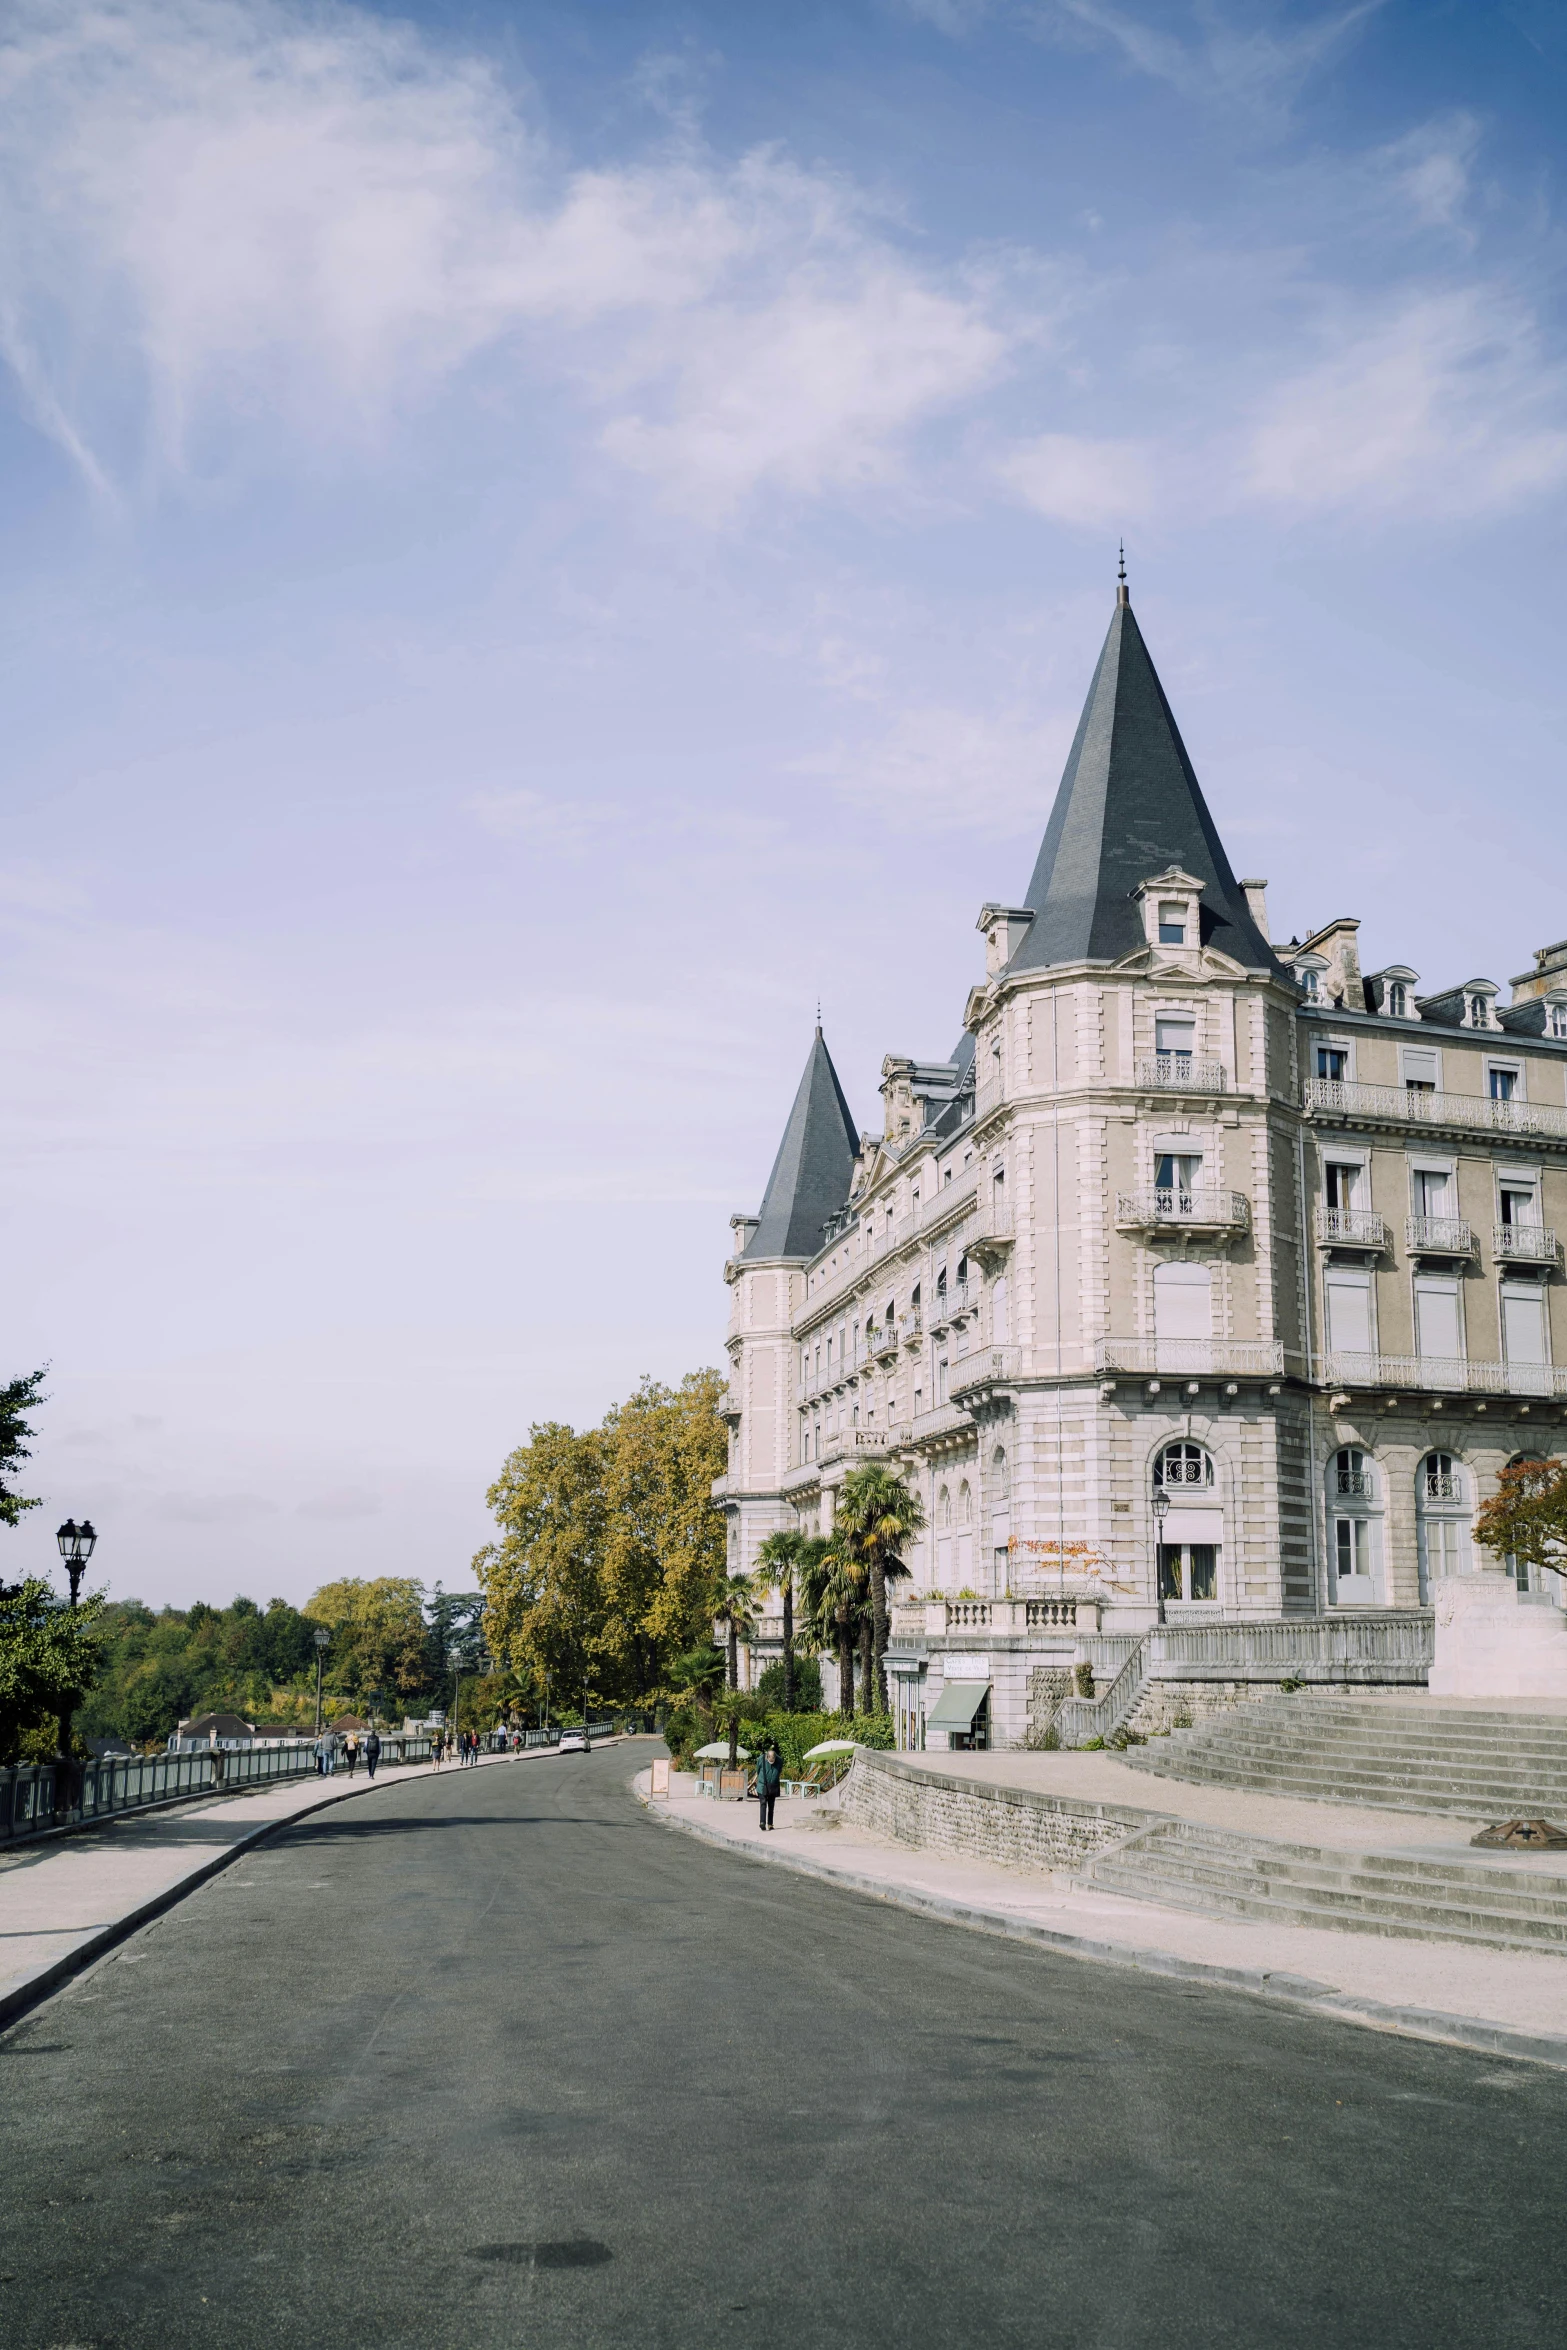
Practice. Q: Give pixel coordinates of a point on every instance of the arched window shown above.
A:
(1354, 1527)
(944, 1507)
(1516, 1567)
(1001, 1474)
(965, 1504)
(1442, 1504)
(1182, 1465)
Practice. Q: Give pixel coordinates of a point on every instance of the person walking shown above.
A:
(372, 1753)
(324, 1754)
(769, 1778)
(351, 1752)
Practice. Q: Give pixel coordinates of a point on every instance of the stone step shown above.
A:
(1186, 1866)
(1464, 1799)
(1365, 1762)
(1526, 1736)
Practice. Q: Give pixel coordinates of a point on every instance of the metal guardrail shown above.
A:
(103, 1790)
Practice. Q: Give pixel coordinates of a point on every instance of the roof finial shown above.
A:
(1122, 592)
(818, 1015)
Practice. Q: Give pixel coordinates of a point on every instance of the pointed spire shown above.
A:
(810, 1177)
(1129, 806)
(1123, 594)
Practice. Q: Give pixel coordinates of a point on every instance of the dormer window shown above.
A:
(1477, 1011)
(1397, 999)
(1309, 987)
(1556, 1021)
(1172, 922)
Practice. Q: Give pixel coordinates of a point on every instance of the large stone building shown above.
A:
(1209, 1282)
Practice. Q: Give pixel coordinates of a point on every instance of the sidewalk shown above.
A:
(1511, 2003)
(64, 1899)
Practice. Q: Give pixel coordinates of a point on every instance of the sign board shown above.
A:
(660, 1784)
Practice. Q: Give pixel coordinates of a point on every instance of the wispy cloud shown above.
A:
(1450, 407)
(224, 221)
(1088, 484)
(1250, 57)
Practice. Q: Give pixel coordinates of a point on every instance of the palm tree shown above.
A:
(877, 1516)
(777, 1563)
(832, 1602)
(734, 1607)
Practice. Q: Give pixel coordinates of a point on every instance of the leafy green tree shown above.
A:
(48, 1660)
(877, 1516)
(543, 1580)
(663, 1538)
(17, 1399)
(380, 1647)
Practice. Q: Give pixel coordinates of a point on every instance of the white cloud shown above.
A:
(1450, 408)
(222, 222)
(1089, 484)
(1248, 59)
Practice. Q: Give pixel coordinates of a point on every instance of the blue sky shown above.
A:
(539, 540)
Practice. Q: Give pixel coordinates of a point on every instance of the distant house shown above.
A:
(229, 1733)
(110, 1750)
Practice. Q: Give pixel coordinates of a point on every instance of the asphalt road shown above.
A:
(492, 2058)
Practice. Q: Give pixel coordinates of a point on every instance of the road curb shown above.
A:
(1298, 1992)
(28, 1990)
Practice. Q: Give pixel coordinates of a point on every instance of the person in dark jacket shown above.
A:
(769, 1777)
(372, 1751)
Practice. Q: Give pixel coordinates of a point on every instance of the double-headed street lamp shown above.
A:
(323, 1640)
(77, 1544)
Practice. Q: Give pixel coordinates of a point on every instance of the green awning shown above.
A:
(957, 1705)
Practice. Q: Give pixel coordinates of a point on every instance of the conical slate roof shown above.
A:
(810, 1177)
(1129, 806)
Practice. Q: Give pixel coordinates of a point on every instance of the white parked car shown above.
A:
(573, 1742)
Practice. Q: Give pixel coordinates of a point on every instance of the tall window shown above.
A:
(1175, 1037)
(965, 1504)
(1332, 1061)
(1348, 1297)
(1431, 1189)
(1437, 1332)
(1000, 1474)
(944, 1507)
(1188, 1570)
(1520, 1204)
(1182, 1465)
(1182, 1309)
(1504, 1084)
(1353, 1526)
(1556, 1020)
(1343, 1184)
(1175, 1175)
(1000, 1307)
(1442, 1519)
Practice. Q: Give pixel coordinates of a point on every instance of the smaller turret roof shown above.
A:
(810, 1177)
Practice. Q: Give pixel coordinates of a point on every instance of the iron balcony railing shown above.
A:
(1191, 1357)
(1438, 1236)
(1351, 1228)
(1196, 1210)
(1400, 1105)
(1524, 1244)
(1181, 1073)
(1443, 1374)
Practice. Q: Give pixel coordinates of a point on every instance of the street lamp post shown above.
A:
(1161, 1510)
(77, 1544)
(323, 1640)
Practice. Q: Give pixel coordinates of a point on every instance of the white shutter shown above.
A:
(1419, 1064)
(1174, 1034)
(1436, 1319)
(1349, 1313)
(1523, 1325)
(1180, 1302)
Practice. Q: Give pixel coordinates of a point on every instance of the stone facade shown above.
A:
(1206, 1281)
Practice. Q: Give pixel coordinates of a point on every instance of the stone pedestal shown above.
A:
(1491, 1643)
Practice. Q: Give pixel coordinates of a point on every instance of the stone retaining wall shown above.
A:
(1015, 1827)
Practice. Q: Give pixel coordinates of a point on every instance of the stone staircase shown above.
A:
(1185, 1864)
(1393, 1755)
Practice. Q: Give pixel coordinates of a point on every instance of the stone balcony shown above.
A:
(934, 1619)
(1181, 1073)
(1351, 1228)
(1191, 1358)
(987, 1366)
(1198, 1210)
(1438, 1236)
